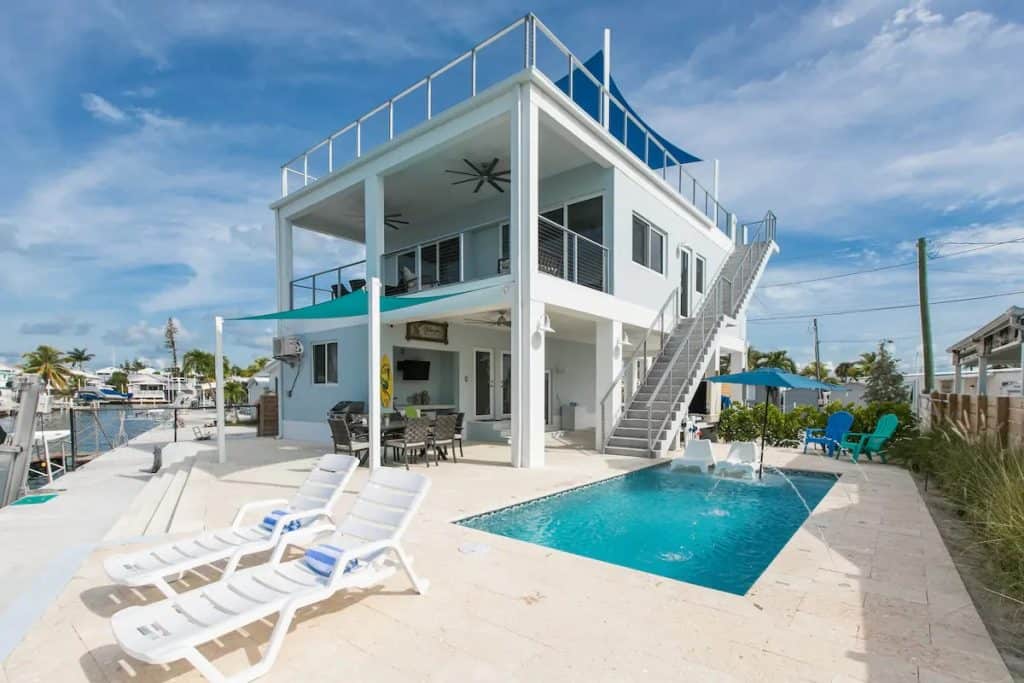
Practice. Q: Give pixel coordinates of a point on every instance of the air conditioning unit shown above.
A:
(288, 349)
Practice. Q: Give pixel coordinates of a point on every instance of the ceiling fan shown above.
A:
(501, 321)
(393, 220)
(482, 173)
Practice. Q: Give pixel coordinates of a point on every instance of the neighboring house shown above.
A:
(997, 344)
(263, 382)
(587, 265)
(849, 392)
(7, 374)
(999, 382)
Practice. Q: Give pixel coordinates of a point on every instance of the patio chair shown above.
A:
(857, 443)
(413, 411)
(338, 290)
(839, 423)
(460, 419)
(741, 461)
(444, 435)
(365, 550)
(357, 284)
(696, 456)
(296, 520)
(201, 434)
(415, 438)
(341, 434)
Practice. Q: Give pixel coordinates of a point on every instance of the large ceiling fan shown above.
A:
(501, 321)
(393, 220)
(482, 173)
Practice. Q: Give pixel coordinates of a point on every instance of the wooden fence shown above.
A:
(999, 415)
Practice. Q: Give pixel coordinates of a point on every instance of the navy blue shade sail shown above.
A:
(587, 95)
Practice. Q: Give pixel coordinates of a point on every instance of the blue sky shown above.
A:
(142, 146)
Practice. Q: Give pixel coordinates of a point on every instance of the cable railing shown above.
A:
(571, 256)
(712, 311)
(327, 284)
(642, 350)
(502, 55)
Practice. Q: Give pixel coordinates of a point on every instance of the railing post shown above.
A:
(472, 72)
(570, 77)
(359, 139)
(284, 181)
(305, 170)
(430, 97)
(330, 155)
(391, 112)
(575, 259)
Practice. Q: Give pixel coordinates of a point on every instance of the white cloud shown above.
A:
(921, 108)
(102, 109)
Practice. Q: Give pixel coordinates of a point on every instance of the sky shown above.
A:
(142, 145)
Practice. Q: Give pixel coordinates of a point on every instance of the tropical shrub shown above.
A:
(743, 423)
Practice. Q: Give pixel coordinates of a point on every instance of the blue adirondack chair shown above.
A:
(831, 436)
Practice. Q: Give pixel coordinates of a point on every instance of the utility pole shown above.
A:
(926, 323)
(817, 362)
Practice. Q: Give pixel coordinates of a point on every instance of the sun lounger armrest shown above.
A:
(254, 505)
(858, 436)
(809, 431)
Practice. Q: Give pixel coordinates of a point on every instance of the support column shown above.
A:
(373, 213)
(714, 390)
(527, 443)
(607, 364)
(284, 252)
(982, 375)
(958, 378)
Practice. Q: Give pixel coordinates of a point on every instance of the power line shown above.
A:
(904, 264)
(801, 316)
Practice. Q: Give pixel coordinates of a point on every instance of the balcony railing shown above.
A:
(507, 52)
(571, 256)
(328, 284)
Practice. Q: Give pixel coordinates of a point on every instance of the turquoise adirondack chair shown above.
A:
(870, 444)
(838, 424)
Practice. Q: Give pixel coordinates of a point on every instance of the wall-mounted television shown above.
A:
(414, 370)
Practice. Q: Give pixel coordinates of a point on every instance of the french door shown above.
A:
(483, 383)
(506, 384)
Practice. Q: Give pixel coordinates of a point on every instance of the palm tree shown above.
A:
(849, 371)
(235, 392)
(867, 361)
(198, 362)
(48, 363)
(79, 357)
(775, 359)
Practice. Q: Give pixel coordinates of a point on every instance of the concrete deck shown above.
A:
(885, 604)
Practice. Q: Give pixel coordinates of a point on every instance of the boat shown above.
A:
(101, 393)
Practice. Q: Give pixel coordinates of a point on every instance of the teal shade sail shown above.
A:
(350, 306)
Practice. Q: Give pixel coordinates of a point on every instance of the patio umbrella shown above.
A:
(770, 377)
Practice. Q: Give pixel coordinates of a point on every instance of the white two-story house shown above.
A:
(594, 281)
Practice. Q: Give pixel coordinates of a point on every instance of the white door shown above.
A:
(483, 383)
(506, 384)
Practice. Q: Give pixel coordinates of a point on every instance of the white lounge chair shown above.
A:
(314, 499)
(366, 549)
(696, 456)
(741, 461)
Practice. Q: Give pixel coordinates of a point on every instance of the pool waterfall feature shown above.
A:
(713, 531)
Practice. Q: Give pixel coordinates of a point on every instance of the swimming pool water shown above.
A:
(712, 531)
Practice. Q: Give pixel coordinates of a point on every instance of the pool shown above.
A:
(711, 531)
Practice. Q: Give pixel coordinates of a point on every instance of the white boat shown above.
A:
(102, 393)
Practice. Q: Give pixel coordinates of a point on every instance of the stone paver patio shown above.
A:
(885, 603)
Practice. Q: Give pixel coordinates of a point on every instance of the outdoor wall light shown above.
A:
(545, 325)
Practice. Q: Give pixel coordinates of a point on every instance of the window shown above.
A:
(648, 245)
(699, 269)
(584, 217)
(325, 363)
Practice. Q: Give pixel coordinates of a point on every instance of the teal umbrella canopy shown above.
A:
(772, 377)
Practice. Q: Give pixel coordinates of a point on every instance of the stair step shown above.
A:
(628, 442)
(637, 452)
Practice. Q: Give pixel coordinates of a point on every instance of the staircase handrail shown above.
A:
(642, 346)
(714, 296)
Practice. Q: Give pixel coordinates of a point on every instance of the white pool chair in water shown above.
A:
(294, 521)
(741, 461)
(696, 456)
(364, 551)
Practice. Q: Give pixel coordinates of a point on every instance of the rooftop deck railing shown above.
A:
(524, 44)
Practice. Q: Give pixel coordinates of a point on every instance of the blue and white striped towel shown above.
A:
(322, 558)
(270, 521)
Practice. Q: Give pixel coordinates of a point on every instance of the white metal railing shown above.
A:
(641, 350)
(722, 299)
(381, 124)
(571, 256)
(325, 285)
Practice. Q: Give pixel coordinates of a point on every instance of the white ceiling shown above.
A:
(423, 189)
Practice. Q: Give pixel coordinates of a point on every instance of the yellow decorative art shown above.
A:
(385, 381)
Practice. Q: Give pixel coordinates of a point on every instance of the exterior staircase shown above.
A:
(653, 416)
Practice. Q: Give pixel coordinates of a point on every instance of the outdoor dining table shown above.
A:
(392, 425)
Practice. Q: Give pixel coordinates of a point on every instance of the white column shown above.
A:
(218, 373)
(373, 363)
(373, 216)
(285, 274)
(958, 379)
(527, 443)
(982, 375)
(373, 203)
(607, 363)
(714, 390)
